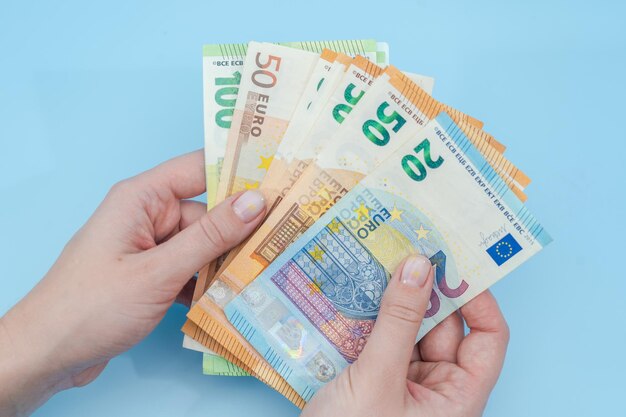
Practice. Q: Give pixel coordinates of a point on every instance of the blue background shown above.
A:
(93, 93)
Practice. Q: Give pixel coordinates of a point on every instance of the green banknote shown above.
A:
(216, 365)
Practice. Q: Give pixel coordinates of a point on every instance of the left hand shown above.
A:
(115, 280)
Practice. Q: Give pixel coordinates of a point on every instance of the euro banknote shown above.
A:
(320, 186)
(313, 123)
(273, 79)
(311, 311)
(222, 65)
(222, 68)
(321, 83)
(216, 365)
(355, 83)
(317, 120)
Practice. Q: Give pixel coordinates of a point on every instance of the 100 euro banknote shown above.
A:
(311, 311)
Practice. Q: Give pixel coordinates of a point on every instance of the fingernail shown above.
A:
(248, 206)
(415, 271)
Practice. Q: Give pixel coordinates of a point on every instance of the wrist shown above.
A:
(29, 371)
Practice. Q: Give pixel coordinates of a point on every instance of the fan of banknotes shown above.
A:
(361, 167)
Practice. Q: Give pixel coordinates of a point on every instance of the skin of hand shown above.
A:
(445, 374)
(115, 280)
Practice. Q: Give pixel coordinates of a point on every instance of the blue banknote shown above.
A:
(311, 311)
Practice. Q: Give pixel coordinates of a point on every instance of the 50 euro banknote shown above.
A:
(311, 311)
(347, 83)
(321, 185)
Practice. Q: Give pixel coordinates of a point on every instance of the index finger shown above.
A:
(184, 175)
(482, 351)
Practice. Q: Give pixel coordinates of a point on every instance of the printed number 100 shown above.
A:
(225, 97)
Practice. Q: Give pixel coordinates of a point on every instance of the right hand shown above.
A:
(445, 374)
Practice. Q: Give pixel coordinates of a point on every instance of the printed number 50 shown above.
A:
(263, 77)
(414, 168)
(374, 129)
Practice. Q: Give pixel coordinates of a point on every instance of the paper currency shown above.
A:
(311, 311)
(335, 92)
(221, 75)
(322, 83)
(329, 159)
(222, 67)
(221, 82)
(353, 86)
(320, 186)
(333, 110)
(220, 366)
(273, 80)
(339, 92)
(270, 83)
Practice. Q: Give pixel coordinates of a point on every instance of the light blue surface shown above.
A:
(90, 94)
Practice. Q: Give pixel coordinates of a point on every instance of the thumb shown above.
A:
(388, 350)
(222, 228)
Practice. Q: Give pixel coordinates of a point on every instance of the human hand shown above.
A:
(115, 280)
(445, 374)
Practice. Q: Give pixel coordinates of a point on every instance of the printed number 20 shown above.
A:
(414, 168)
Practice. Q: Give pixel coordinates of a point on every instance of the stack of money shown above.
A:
(360, 167)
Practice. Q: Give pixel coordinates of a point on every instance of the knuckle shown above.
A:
(402, 312)
(352, 385)
(121, 188)
(506, 332)
(349, 382)
(213, 234)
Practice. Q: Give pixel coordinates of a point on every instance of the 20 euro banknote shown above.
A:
(311, 311)
(322, 184)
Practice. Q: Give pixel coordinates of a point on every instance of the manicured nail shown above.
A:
(248, 206)
(415, 271)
